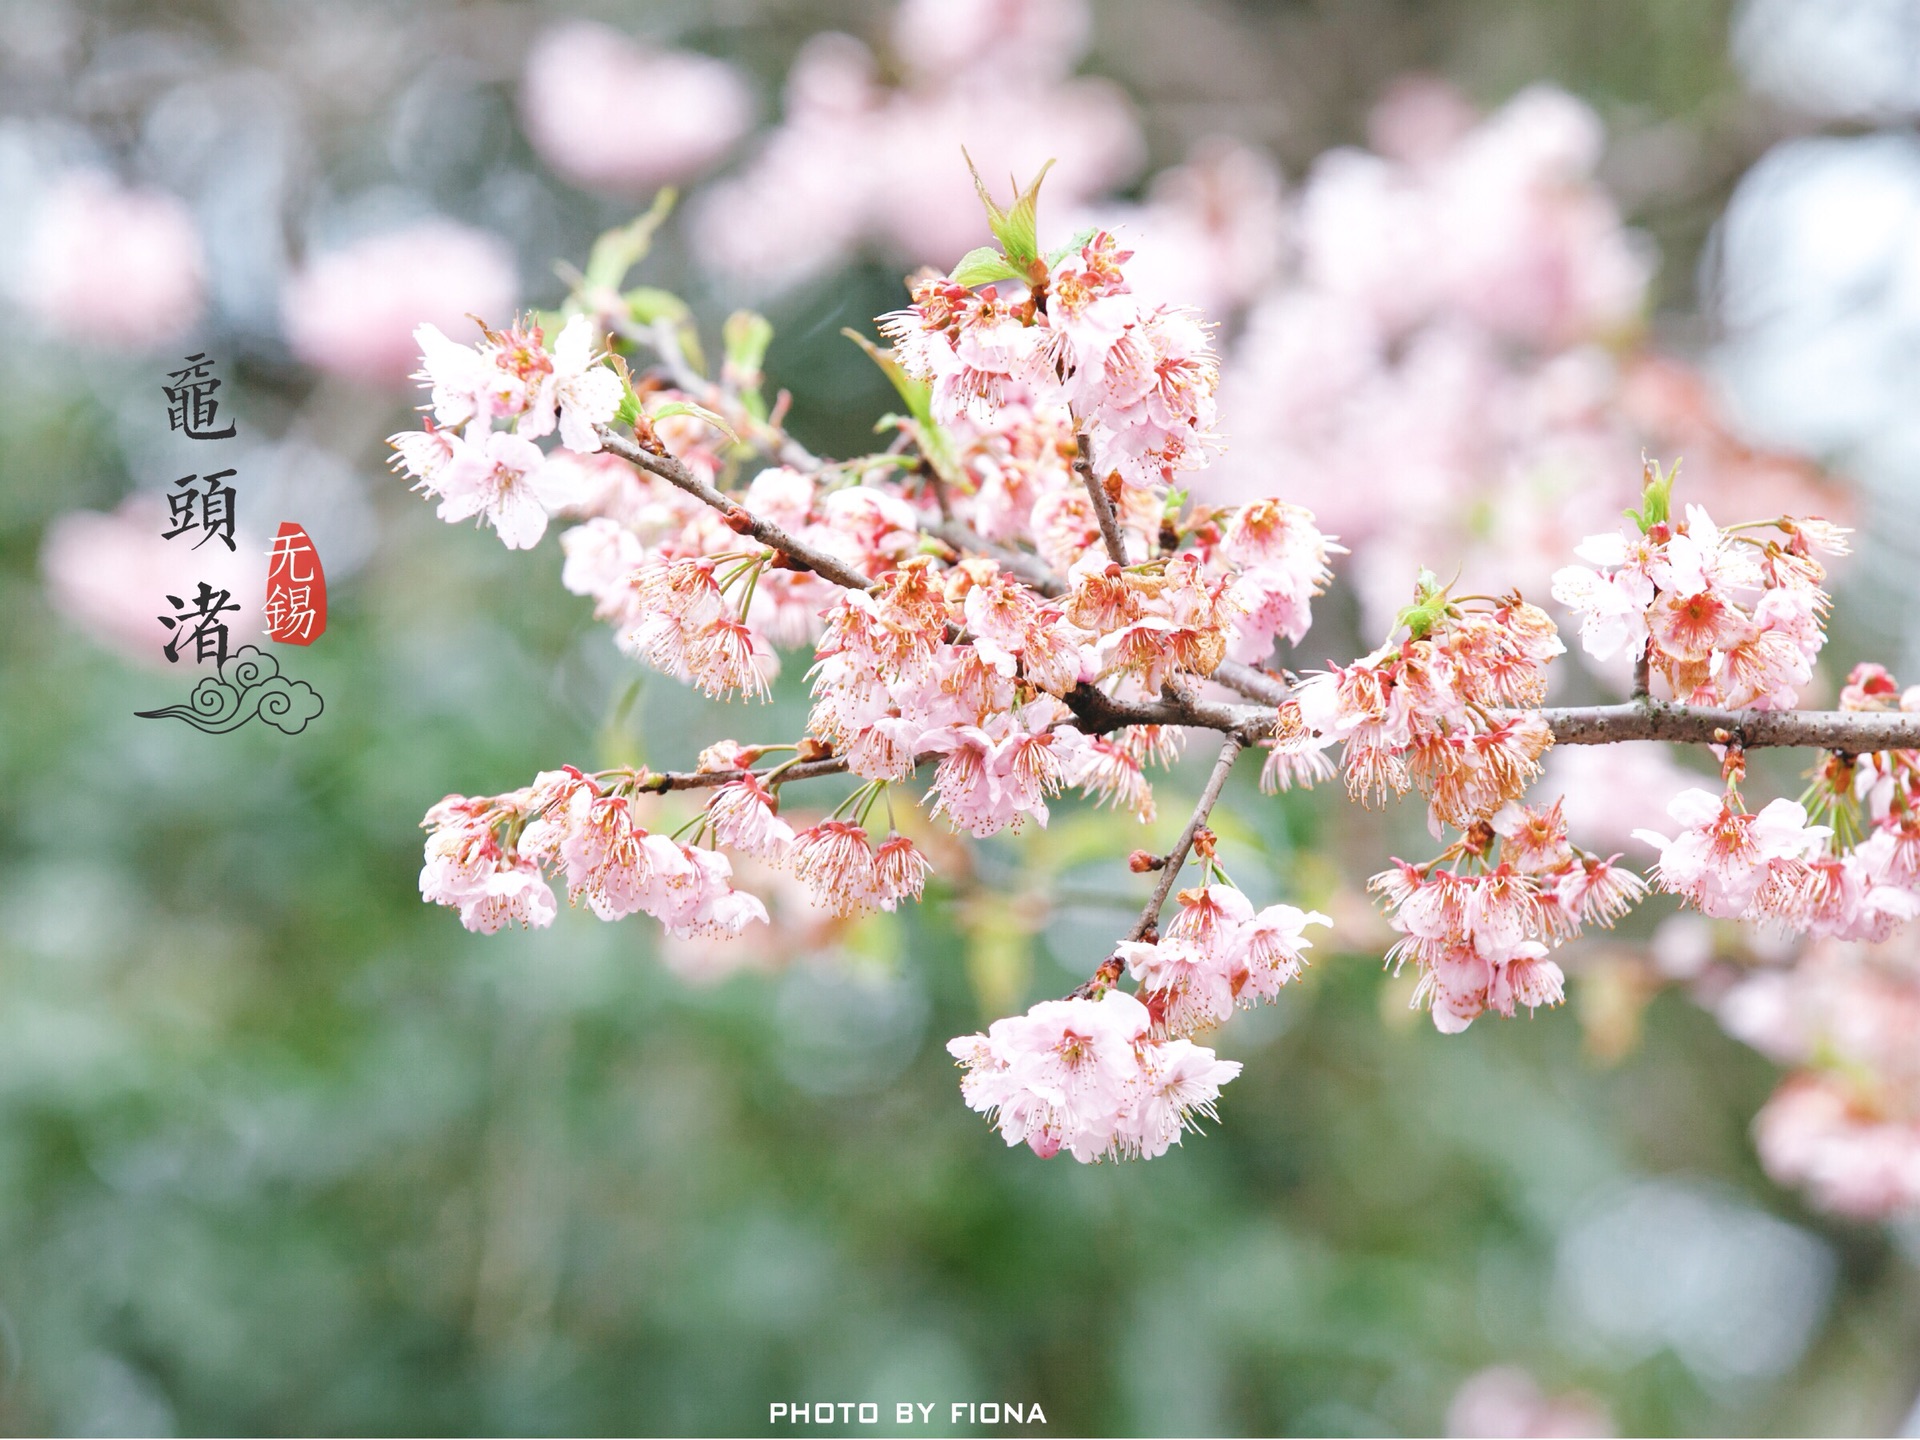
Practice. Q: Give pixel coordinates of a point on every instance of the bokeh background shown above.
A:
(284, 1150)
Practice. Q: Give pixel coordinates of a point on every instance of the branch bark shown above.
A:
(1096, 492)
(1149, 921)
(1847, 732)
(1028, 566)
(658, 782)
(671, 470)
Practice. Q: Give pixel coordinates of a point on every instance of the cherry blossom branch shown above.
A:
(1176, 858)
(1847, 732)
(658, 782)
(1096, 492)
(671, 470)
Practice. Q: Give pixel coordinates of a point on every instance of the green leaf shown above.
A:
(1054, 257)
(996, 217)
(918, 395)
(1429, 607)
(1018, 229)
(1656, 500)
(746, 337)
(982, 267)
(620, 249)
(699, 412)
(1022, 234)
(629, 410)
(647, 304)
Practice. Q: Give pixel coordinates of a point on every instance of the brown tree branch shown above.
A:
(1251, 682)
(1029, 567)
(1847, 732)
(1096, 492)
(658, 782)
(675, 473)
(1149, 921)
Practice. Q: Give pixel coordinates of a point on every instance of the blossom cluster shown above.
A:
(1091, 1077)
(500, 475)
(1010, 576)
(1855, 878)
(1012, 601)
(1452, 710)
(1140, 378)
(489, 857)
(1725, 617)
(1218, 952)
(836, 861)
(1480, 939)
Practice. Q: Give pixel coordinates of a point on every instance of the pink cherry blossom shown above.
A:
(584, 394)
(743, 817)
(500, 479)
(1087, 1076)
(1722, 857)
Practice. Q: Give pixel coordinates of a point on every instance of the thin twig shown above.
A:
(1149, 921)
(1642, 666)
(671, 470)
(658, 782)
(1029, 567)
(665, 341)
(1102, 507)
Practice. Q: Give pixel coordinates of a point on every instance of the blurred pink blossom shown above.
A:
(1212, 233)
(1504, 1400)
(1024, 39)
(114, 266)
(610, 113)
(1446, 367)
(855, 162)
(1419, 119)
(1845, 1125)
(110, 574)
(1530, 246)
(352, 311)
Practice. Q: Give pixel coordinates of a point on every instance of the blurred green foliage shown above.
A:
(284, 1150)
